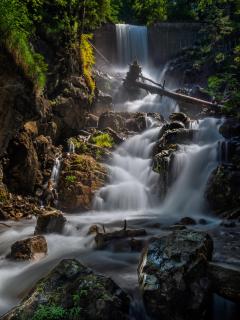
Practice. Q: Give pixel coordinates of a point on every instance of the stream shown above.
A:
(130, 194)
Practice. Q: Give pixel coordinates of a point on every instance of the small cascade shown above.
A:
(56, 170)
(71, 147)
(131, 175)
(223, 151)
(192, 166)
(132, 43)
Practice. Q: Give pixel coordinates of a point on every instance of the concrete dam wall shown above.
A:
(165, 40)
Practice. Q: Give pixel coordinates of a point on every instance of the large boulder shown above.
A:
(112, 120)
(173, 275)
(23, 169)
(123, 121)
(225, 281)
(72, 291)
(230, 128)
(81, 176)
(223, 189)
(50, 222)
(33, 248)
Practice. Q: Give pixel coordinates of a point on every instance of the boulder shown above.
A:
(230, 128)
(187, 221)
(181, 117)
(173, 275)
(112, 120)
(223, 189)
(33, 248)
(73, 291)
(23, 169)
(91, 121)
(81, 176)
(50, 222)
(225, 281)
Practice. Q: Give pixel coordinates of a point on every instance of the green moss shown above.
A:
(51, 312)
(70, 179)
(87, 60)
(103, 140)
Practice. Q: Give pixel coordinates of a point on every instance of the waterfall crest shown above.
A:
(132, 43)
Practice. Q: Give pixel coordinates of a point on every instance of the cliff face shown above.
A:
(18, 101)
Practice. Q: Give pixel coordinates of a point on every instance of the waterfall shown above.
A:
(132, 43)
(192, 166)
(71, 147)
(131, 175)
(56, 170)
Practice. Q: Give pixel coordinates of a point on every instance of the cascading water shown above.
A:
(192, 166)
(56, 170)
(130, 194)
(131, 175)
(132, 43)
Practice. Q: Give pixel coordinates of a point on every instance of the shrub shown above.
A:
(103, 140)
(49, 312)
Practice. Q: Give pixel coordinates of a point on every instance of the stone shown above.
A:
(230, 128)
(181, 117)
(112, 120)
(173, 275)
(81, 176)
(223, 189)
(73, 291)
(33, 248)
(225, 281)
(23, 168)
(50, 222)
(91, 121)
(187, 221)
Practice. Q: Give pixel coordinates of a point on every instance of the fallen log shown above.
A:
(174, 95)
(103, 239)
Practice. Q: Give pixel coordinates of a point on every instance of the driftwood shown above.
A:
(5, 225)
(159, 89)
(103, 239)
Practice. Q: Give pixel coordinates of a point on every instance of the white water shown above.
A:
(131, 175)
(192, 166)
(132, 43)
(56, 170)
(130, 194)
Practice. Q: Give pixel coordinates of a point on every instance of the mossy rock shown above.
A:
(72, 291)
(81, 177)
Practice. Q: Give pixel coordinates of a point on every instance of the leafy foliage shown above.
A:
(49, 312)
(103, 140)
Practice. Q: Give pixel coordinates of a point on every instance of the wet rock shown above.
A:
(117, 138)
(173, 275)
(176, 227)
(91, 121)
(73, 291)
(81, 176)
(228, 224)
(112, 120)
(137, 124)
(50, 222)
(94, 229)
(103, 103)
(178, 136)
(33, 248)
(225, 281)
(230, 128)
(223, 189)
(187, 221)
(202, 221)
(123, 121)
(181, 117)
